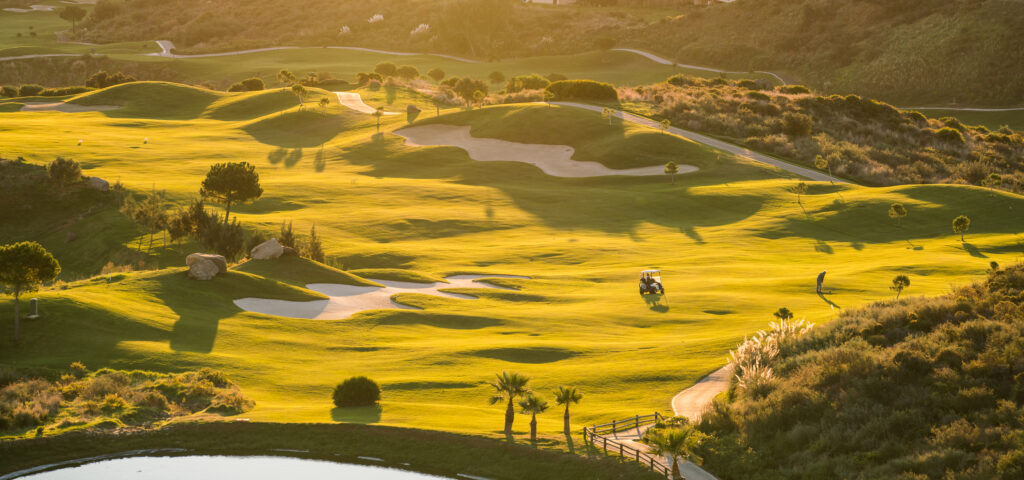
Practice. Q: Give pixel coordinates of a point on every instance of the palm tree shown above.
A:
(533, 405)
(508, 387)
(566, 396)
(676, 442)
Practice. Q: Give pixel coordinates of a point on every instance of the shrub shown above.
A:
(102, 79)
(30, 90)
(64, 171)
(437, 74)
(792, 89)
(237, 87)
(583, 89)
(526, 82)
(797, 124)
(62, 91)
(8, 91)
(407, 72)
(950, 135)
(356, 392)
(385, 69)
(230, 402)
(253, 84)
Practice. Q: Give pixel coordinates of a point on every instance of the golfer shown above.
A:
(821, 279)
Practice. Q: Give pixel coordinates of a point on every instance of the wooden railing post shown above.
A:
(638, 422)
(613, 426)
(605, 445)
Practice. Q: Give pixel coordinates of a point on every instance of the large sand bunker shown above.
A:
(554, 160)
(65, 107)
(33, 8)
(355, 102)
(346, 300)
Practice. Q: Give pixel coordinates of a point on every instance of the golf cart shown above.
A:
(650, 282)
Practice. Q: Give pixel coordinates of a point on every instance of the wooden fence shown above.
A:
(597, 436)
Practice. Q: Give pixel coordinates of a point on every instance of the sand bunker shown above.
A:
(554, 160)
(65, 107)
(355, 102)
(33, 8)
(346, 300)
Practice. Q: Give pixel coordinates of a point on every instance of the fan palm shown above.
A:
(566, 396)
(676, 442)
(508, 387)
(533, 405)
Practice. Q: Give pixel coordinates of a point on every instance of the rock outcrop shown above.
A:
(218, 260)
(204, 269)
(267, 250)
(97, 183)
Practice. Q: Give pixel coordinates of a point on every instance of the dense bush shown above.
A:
(526, 82)
(922, 388)
(356, 392)
(8, 91)
(63, 91)
(102, 79)
(30, 90)
(583, 90)
(863, 139)
(253, 84)
(132, 397)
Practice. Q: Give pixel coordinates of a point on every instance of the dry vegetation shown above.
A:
(862, 139)
(922, 388)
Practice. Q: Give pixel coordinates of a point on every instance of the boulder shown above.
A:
(97, 183)
(267, 250)
(218, 260)
(289, 252)
(204, 269)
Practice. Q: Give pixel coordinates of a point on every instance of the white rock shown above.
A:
(267, 250)
(218, 260)
(204, 269)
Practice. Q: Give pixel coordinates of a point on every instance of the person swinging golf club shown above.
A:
(821, 279)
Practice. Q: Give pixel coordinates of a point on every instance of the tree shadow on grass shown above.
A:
(653, 302)
(973, 250)
(362, 415)
(296, 129)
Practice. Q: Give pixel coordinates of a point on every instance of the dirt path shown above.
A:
(694, 401)
(664, 61)
(554, 160)
(166, 46)
(712, 142)
(65, 107)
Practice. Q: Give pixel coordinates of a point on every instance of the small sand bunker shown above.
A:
(65, 107)
(355, 102)
(554, 160)
(33, 8)
(346, 300)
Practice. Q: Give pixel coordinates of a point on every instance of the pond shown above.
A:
(204, 467)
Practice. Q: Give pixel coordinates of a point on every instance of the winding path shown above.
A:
(711, 142)
(166, 46)
(664, 61)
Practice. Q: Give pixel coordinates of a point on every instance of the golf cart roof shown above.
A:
(651, 271)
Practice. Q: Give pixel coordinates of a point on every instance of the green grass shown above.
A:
(993, 120)
(407, 449)
(731, 240)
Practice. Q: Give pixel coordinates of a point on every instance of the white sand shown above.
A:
(65, 107)
(355, 102)
(554, 160)
(346, 300)
(33, 8)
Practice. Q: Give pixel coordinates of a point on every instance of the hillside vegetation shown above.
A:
(923, 388)
(904, 51)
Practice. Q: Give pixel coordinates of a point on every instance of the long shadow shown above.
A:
(973, 250)
(830, 302)
(362, 415)
(297, 129)
(569, 443)
(200, 305)
(653, 302)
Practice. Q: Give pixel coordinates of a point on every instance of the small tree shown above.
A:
(315, 251)
(799, 189)
(678, 442)
(665, 124)
(300, 92)
(436, 74)
(286, 77)
(608, 114)
(466, 88)
(24, 267)
(230, 183)
(960, 225)
(324, 102)
(897, 211)
(379, 113)
(533, 405)
(567, 396)
(385, 69)
(287, 236)
(672, 169)
(438, 100)
(73, 14)
(899, 283)
(407, 72)
(822, 163)
(508, 387)
(64, 171)
(549, 96)
(783, 314)
(356, 392)
(496, 77)
(478, 97)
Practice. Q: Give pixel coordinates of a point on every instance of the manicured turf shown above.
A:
(731, 240)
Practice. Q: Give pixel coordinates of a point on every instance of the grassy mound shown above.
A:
(924, 388)
(162, 100)
(301, 271)
(249, 105)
